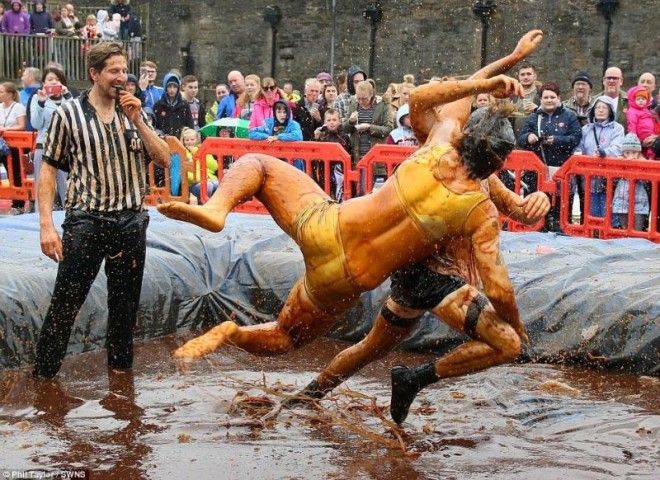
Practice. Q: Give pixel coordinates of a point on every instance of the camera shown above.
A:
(324, 128)
(53, 90)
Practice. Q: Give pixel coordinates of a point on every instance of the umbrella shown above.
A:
(237, 126)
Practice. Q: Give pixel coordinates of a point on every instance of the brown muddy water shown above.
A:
(204, 421)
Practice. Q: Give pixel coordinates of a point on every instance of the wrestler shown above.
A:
(434, 196)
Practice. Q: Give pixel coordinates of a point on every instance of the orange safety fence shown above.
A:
(642, 176)
(317, 158)
(387, 156)
(24, 143)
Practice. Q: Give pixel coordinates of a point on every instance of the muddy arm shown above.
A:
(528, 210)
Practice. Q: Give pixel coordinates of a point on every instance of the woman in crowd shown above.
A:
(52, 93)
(245, 103)
(265, 99)
(12, 117)
(329, 96)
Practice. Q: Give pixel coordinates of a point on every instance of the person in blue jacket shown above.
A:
(281, 127)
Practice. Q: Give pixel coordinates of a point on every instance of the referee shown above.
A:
(102, 139)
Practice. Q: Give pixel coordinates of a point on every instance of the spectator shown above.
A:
(581, 102)
(647, 80)
(552, 132)
(640, 119)
(528, 78)
(367, 123)
(44, 103)
(134, 37)
(263, 105)
(331, 131)
(221, 90)
(341, 83)
(91, 30)
(404, 92)
(15, 20)
(133, 87)
(72, 16)
(64, 26)
(329, 96)
(171, 111)
(324, 79)
(612, 83)
(307, 111)
(190, 140)
(245, 101)
(147, 83)
(12, 117)
(40, 20)
(391, 98)
(31, 83)
(123, 9)
(483, 100)
(227, 105)
(104, 26)
(632, 149)
(289, 93)
(189, 90)
(355, 76)
(402, 135)
(279, 127)
(601, 137)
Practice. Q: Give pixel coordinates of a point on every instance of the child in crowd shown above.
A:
(281, 127)
(91, 30)
(483, 100)
(331, 131)
(403, 134)
(632, 149)
(190, 140)
(639, 118)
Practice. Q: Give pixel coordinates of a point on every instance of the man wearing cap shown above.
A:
(324, 79)
(581, 101)
(612, 83)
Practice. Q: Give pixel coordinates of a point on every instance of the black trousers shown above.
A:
(89, 238)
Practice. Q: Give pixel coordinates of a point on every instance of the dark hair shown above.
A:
(55, 71)
(331, 111)
(523, 65)
(487, 139)
(552, 86)
(99, 54)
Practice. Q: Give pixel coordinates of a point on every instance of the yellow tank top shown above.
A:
(436, 210)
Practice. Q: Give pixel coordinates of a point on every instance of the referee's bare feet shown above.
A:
(204, 216)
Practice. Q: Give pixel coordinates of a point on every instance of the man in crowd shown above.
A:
(612, 84)
(31, 83)
(647, 80)
(227, 105)
(147, 83)
(189, 90)
(221, 90)
(307, 111)
(528, 78)
(105, 214)
(355, 76)
(581, 101)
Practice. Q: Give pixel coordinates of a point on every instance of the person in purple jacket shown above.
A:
(15, 20)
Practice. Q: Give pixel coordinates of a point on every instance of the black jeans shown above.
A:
(121, 239)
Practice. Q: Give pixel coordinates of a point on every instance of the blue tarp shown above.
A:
(587, 301)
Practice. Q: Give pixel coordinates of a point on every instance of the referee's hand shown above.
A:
(131, 105)
(51, 244)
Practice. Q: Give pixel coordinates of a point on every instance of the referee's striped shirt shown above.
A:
(107, 172)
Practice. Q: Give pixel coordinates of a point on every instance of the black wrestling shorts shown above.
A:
(417, 287)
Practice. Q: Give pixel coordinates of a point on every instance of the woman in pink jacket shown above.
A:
(263, 105)
(639, 118)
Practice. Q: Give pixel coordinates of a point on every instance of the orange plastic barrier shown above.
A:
(24, 142)
(317, 157)
(162, 194)
(387, 156)
(611, 170)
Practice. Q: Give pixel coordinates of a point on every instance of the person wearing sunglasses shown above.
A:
(264, 101)
(612, 85)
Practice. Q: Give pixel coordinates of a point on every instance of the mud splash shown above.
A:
(206, 421)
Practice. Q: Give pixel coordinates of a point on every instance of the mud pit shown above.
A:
(516, 421)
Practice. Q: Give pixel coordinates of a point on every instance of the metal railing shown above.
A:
(20, 51)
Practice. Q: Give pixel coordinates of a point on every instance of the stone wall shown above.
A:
(423, 37)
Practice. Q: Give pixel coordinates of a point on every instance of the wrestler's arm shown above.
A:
(528, 210)
(526, 45)
(492, 269)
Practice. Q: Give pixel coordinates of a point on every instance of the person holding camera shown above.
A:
(50, 96)
(552, 132)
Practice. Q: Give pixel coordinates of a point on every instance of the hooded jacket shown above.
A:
(609, 133)
(640, 119)
(15, 22)
(172, 114)
(344, 98)
(402, 135)
(40, 22)
(290, 131)
(261, 110)
(562, 124)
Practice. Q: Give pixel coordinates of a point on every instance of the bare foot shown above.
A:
(528, 43)
(207, 343)
(203, 216)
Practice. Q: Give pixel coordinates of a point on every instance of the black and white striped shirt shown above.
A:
(107, 170)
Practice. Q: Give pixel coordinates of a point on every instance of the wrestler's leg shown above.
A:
(284, 191)
(299, 322)
(392, 325)
(495, 342)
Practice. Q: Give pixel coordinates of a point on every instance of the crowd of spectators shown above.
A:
(350, 111)
(117, 22)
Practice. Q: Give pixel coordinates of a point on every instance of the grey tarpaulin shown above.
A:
(588, 301)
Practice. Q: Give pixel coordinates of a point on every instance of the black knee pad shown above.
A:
(479, 302)
(395, 320)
